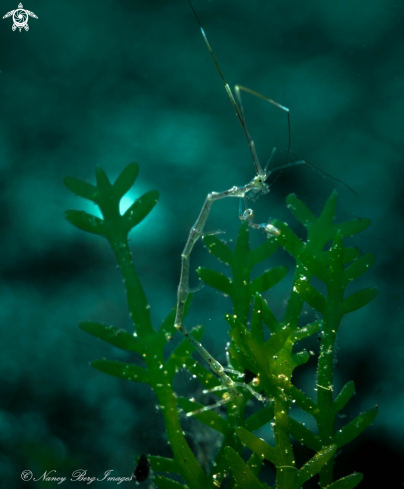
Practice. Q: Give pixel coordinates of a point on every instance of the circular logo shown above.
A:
(20, 17)
(26, 475)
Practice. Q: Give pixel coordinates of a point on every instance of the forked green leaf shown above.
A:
(219, 249)
(300, 358)
(337, 255)
(316, 463)
(123, 370)
(241, 358)
(258, 446)
(299, 210)
(302, 400)
(139, 209)
(125, 181)
(308, 330)
(315, 266)
(86, 222)
(348, 482)
(351, 430)
(359, 267)
(304, 435)
(241, 340)
(268, 279)
(81, 188)
(259, 418)
(350, 254)
(262, 252)
(167, 329)
(311, 295)
(245, 340)
(359, 299)
(161, 464)
(352, 227)
(242, 244)
(166, 483)
(344, 396)
(276, 342)
(269, 318)
(103, 183)
(215, 279)
(255, 464)
(288, 238)
(117, 337)
(256, 320)
(236, 324)
(328, 212)
(244, 475)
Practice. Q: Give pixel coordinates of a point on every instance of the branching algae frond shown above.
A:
(270, 361)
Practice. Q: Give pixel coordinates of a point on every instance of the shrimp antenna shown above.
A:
(238, 107)
(302, 162)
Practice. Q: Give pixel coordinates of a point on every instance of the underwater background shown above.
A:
(107, 83)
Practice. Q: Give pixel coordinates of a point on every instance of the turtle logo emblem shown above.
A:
(20, 17)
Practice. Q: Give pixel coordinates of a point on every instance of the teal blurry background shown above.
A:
(108, 83)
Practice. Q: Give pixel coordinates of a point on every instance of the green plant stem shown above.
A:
(295, 302)
(235, 417)
(161, 377)
(286, 470)
(139, 308)
(189, 467)
(326, 415)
